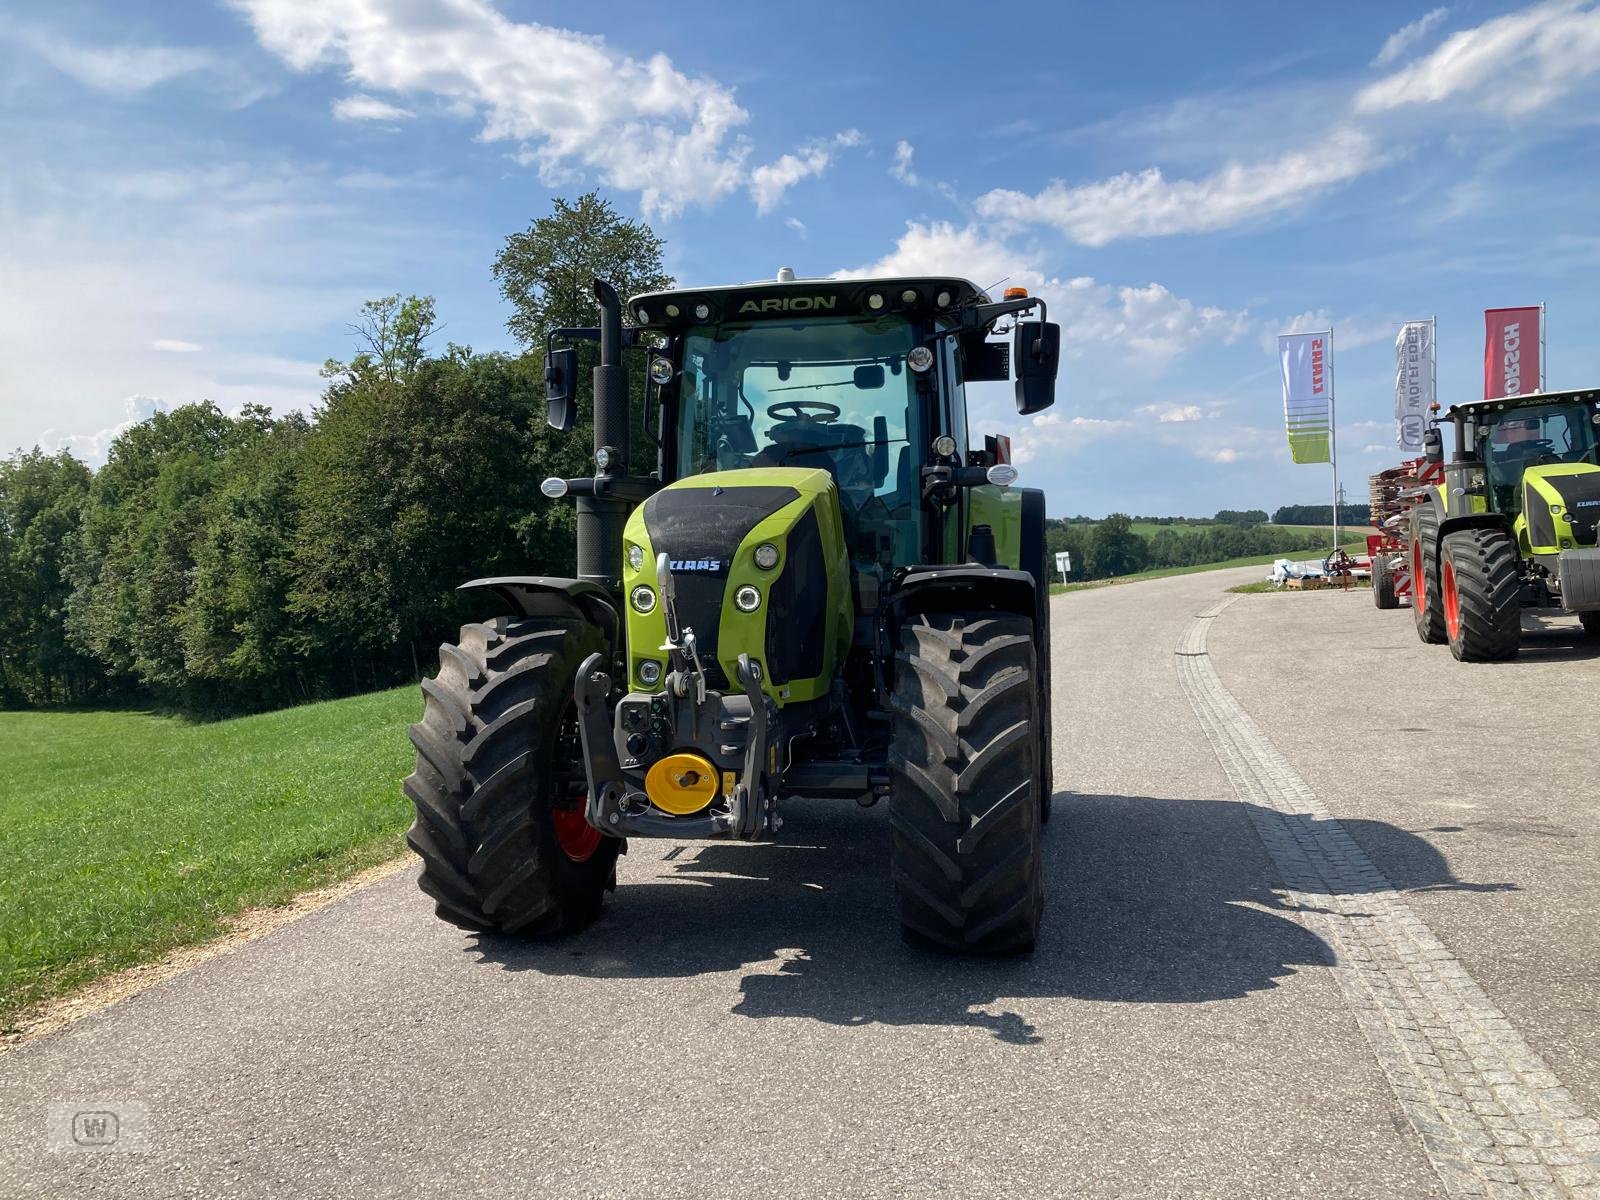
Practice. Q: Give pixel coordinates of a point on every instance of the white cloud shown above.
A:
(1225, 454)
(1151, 322)
(120, 69)
(92, 448)
(900, 168)
(1514, 65)
(1409, 35)
(770, 181)
(362, 107)
(1147, 204)
(176, 346)
(1348, 332)
(1171, 414)
(568, 100)
(796, 224)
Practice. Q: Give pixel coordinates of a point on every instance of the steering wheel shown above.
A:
(802, 410)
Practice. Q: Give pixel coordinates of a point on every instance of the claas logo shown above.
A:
(695, 564)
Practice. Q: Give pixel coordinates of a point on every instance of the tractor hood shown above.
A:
(1561, 502)
(709, 527)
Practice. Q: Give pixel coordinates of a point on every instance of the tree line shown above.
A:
(1112, 547)
(1322, 514)
(220, 562)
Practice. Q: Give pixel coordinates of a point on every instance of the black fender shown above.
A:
(960, 585)
(1482, 520)
(551, 596)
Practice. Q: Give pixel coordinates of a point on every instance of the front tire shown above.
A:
(1591, 623)
(1481, 595)
(1427, 606)
(499, 783)
(964, 802)
(1383, 583)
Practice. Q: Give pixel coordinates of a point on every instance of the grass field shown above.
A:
(125, 834)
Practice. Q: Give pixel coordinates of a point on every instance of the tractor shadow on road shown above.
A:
(1555, 639)
(1149, 901)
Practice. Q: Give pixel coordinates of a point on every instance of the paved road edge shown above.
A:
(1493, 1118)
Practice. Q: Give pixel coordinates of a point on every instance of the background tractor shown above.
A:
(819, 590)
(1512, 526)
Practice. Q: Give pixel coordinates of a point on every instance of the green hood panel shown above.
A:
(709, 526)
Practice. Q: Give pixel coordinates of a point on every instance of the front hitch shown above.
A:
(615, 808)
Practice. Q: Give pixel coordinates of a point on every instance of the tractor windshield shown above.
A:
(1526, 437)
(833, 393)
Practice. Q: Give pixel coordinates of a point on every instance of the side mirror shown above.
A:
(1036, 352)
(560, 387)
(870, 377)
(1433, 444)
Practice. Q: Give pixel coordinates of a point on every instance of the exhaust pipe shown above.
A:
(601, 518)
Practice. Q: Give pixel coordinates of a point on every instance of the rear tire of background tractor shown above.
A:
(964, 802)
(1383, 583)
(1482, 595)
(1427, 608)
(499, 783)
(1591, 623)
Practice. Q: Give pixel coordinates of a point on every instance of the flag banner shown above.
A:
(1413, 383)
(1510, 351)
(1306, 363)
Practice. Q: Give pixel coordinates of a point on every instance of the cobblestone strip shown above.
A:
(1493, 1118)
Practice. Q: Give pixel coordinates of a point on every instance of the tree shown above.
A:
(545, 271)
(1115, 549)
(391, 333)
(41, 502)
(131, 562)
(238, 634)
(405, 492)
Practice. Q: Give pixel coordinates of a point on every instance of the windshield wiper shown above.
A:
(787, 454)
(806, 387)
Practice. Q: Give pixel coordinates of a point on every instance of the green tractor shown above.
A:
(1513, 526)
(819, 591)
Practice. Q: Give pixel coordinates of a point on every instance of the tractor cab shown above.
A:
(1512, 437)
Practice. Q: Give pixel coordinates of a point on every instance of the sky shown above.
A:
(196, 198)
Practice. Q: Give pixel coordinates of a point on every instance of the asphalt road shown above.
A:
(745, 1020)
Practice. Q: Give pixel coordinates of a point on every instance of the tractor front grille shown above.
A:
(700, 609)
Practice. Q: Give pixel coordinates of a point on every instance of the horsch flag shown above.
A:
(1306, 362)
(1413, 383)
(1511, 344)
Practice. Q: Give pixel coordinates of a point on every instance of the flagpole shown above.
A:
(1433, 356)
(1541, 346)
(1333, 441)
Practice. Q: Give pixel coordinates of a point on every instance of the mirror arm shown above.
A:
(981, 316)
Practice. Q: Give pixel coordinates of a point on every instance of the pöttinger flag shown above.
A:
(1413, 383)
(1306, 363)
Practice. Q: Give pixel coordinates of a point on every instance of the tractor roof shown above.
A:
(784, 299)
(1526, 400)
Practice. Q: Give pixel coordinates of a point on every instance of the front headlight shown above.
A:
(747, 599)
(766, 556)
(643, 598)
(635, 556)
